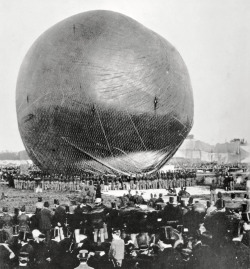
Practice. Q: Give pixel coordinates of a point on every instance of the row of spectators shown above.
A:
(106, 183)
(131, 235)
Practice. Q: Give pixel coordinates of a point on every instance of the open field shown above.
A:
(17, 198)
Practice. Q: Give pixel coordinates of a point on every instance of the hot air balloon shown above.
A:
(101, 93)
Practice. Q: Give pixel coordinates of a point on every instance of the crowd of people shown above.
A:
(131, 234)
(74, 183)
(181, 177)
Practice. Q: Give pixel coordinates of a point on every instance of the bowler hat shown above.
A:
(83, 254)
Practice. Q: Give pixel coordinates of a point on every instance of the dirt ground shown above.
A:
(15, 198)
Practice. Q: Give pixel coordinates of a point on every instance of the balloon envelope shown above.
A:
(100, 92)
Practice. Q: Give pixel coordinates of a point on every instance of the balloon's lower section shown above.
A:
(101, 141)
(131, 163)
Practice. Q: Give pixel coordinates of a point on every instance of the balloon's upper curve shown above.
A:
(100, 92)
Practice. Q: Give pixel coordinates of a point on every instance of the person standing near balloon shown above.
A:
(213, 192)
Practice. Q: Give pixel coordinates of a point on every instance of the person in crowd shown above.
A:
(183, 207)
(6, 222)
(41, 252)
(211, 208)
(117, 249)
(98, 219)
(226, 181)
(59, 217)
(81, 217)
(98, 191)
(171, 212)
(24, 240)
(45, 220)
(91, 192)
(152, 200)
(113, 220)
(190, 202)
(220, 203)
(140, 199)
(39, 204)
(83, 258)
(23, 221)
(124, 200)
(213, 191)
(129, 195)
(159, 199)
(135, 197)
(231, 182)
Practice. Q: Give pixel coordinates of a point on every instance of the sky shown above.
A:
(213, 38)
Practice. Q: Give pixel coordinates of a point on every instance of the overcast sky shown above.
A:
(212, 36)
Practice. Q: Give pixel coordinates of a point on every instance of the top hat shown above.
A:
(179, 199)
(46, 204)
(171, 200)
(5, 209)
(23, 236)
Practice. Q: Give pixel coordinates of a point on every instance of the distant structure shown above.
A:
(198, 151)
(241, 141)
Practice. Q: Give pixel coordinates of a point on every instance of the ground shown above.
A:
(15, 198)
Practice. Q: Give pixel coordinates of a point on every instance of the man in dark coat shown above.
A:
(41, 253)
(171, 212)
(98, 218)
(23, 221)
(220, 203)
(59, 217)
(26, 247)
(6, 222)
(45, 219)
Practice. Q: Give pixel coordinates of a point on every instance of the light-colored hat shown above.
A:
(36, 233)
(83, 254)
(98, 200)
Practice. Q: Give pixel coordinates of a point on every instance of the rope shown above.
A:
(94, 158)
(104, 132)
(128, 157)
(136, 130)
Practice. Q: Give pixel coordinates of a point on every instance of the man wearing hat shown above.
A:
(45, 219)
(6, 222)
(26, 247)
(83, 257)
(159, 199)
(59, 217)
(171, 212)
(220, 203)
(98, 217)
(23, 221)
(41, 252)
(39, 204)
(117, 249)
(168, 256)
(24, 262)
